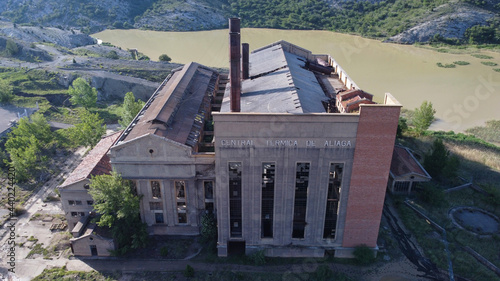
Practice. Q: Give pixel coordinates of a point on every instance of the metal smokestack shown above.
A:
(246, 54)
(235, 64)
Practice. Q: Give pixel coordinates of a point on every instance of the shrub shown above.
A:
(363, 255)
(11, 47)
(189, 271)
(323, 273)
(164, 57)
(5, 91)
(431, 194)
(164, 251)
(258, 258)
(19, 210)
(208, 228)
(461, 62)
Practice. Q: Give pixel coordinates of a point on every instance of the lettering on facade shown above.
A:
(289, 143)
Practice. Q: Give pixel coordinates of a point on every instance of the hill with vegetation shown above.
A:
(401, 21)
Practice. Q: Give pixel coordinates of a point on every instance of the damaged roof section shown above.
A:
(349, 101)
(404, 164)
(279, 82)
(95, 163)
(179, 107)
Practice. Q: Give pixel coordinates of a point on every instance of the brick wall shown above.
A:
(372, 159)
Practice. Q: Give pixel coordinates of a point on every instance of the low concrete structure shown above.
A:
(92, 240)
(406, 172)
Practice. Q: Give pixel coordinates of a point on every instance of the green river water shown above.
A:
(464, 97)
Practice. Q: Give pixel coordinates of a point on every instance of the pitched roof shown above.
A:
(404, 163)
(96, 162)
(279, 82)
(177, 108)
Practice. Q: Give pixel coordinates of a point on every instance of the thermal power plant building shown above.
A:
(290, 155)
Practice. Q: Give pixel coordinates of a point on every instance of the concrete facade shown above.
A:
(162, 152)
(76, 202)
(168, 164)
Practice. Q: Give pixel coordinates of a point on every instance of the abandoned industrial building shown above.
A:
(288, 153)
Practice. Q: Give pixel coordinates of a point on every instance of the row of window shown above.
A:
(79, 202)
(77, 214)
(180, 200)
(300, 200)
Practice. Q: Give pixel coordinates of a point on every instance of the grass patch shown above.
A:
(38, 249)
(489, 63)
(446, 65)
(61, 273)
(481, 56)
(489, 132)
(461, 62)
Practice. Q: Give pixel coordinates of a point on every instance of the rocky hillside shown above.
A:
(402, 21)
(450, 21)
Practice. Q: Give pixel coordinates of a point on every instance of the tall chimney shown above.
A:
(245, 57)
(234, 63)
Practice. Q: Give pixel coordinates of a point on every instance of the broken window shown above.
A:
(208, 186)
(90, 202)
(235, 217)
(180, 190)
(332, 200)
(155, 189)
(268, 171)
(209, 189)
(159, 218)
(300, 202)
(71, 202)
(74, 214)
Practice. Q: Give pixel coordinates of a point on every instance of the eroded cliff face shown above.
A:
(449, 21)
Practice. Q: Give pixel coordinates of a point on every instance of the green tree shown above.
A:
(90, 129)
(402, 127)
(439, 163)
(130, 109)
(5, 91)
(82, 93)
(435, 161)
(11, 47)
(423, 117)
(26, 144)
(118, 207)
(164, 57)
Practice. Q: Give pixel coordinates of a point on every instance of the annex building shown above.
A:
(288, 153)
